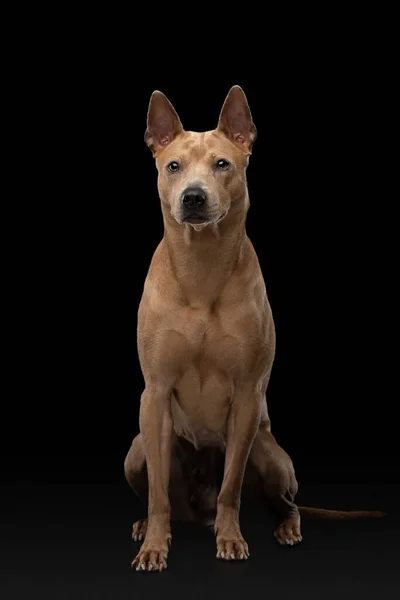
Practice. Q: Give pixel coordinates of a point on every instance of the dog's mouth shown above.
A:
(195, 219)
(221, 217)
(201, 219)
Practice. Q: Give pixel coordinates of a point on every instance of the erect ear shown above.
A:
(235, 120)
(163, 124)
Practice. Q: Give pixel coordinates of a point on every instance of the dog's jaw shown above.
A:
(199, 226)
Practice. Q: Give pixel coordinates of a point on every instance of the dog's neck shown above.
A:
(203, 261)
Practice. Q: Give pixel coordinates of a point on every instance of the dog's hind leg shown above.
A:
(279, 484)
(206, 482)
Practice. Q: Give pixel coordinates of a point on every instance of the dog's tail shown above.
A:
(324, 513)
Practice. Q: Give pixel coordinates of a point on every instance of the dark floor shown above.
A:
(72, 541)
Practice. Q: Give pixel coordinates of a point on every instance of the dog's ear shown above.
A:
(235, 120)
(163, 124)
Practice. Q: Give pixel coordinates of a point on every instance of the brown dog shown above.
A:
(206, 343)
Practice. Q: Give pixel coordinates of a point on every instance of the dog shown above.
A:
(206, 344)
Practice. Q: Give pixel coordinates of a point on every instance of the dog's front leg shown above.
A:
(156, 426)
(243, 422)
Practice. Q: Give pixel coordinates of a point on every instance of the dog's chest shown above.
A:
(209, 348)
(205, 385)
(212, 343)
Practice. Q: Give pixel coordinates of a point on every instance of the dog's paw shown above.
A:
(234, 549)
(288, 533)
(139, 530)
(152, 556)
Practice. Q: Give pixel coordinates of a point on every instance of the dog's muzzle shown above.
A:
(193, 203)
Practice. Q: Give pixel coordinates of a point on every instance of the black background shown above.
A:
(320, 225)
(316, 221)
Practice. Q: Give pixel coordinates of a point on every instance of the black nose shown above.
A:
(193, 198)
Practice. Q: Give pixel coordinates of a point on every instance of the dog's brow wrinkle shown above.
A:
(188, 144)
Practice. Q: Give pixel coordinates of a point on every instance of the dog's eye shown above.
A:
(173, 167)
(222, 164)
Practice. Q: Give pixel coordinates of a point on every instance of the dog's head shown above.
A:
(200, 175)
